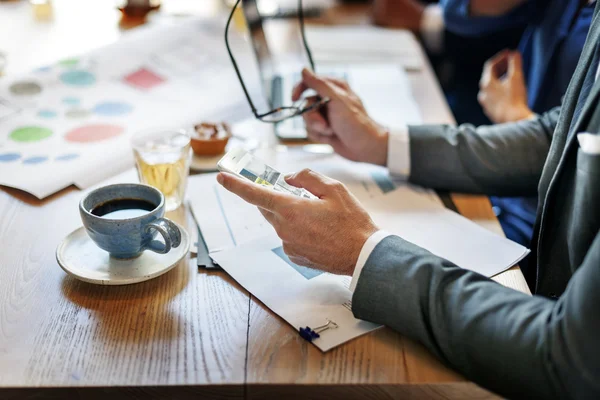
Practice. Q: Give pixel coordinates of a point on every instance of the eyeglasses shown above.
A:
(279, 114)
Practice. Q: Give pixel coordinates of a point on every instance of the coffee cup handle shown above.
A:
(170, 233)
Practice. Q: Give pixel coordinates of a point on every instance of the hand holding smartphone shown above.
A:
(240, 162)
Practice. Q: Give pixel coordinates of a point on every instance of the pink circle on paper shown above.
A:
(93, 133)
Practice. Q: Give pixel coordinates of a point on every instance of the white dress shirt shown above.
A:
(398, 165)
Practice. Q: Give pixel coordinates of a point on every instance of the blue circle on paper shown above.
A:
(113, 109)
(35, 160)
(78, 77)
(47, 114)
(8, 157)
(47, 68)
(71, 101)
(67, 157)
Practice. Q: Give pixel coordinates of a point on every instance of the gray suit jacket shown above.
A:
(545, 346)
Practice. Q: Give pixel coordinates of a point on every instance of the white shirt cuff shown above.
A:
(432, 28)
(589, 143)
(366, 251)
(399, 152)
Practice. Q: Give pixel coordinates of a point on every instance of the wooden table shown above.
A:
(188, 333)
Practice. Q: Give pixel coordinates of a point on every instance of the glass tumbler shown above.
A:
(163, 160)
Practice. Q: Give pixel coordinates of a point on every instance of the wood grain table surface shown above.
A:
(188, 333)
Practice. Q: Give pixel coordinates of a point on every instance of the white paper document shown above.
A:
(443, 232)
(225, 220)
(386, 93)
(302, 296)
(368, 44)
(71, 122)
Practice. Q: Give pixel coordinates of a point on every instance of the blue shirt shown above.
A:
(551, 45)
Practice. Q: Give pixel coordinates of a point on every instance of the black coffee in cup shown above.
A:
(123, 208)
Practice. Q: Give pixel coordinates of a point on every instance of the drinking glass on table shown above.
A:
(163, 160)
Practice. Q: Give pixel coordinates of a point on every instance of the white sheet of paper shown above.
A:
(75, 118)
(364, 44)
(444, 232)
(387, 94)
(225, 220)
(302, 296)
(383, 87)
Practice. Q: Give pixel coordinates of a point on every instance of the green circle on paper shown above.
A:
(30, 134)
(69, 62)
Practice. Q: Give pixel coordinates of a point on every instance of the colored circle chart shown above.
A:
(78, 77)
(8, 157)
(67, 157)
(93, 133)
(48, 114)
(25, 88)
(113, 109)
(35, 160)
(30, 134)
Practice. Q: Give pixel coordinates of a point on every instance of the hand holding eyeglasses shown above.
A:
(279, 114)
(343, 122)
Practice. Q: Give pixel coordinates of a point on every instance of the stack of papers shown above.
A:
(365, 44)
(247, 247)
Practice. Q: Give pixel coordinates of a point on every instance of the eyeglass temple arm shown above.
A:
(303, 33)
(235, 65)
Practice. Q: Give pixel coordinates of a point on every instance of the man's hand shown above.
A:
(503, 94)
(343, 123)
(404, 14)
(327, 233)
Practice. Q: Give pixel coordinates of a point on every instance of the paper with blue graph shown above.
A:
(302, 296)
(247, 247)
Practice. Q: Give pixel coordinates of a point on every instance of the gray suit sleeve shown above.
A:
(503, 160)
(511, 343)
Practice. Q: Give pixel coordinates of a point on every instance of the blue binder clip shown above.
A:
(312, 334)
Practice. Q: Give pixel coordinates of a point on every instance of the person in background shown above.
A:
(519, 84)
(457, 59)
(516, 85)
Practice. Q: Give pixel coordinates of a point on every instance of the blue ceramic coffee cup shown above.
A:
(127, 219)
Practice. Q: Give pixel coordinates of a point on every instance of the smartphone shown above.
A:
(240, 162)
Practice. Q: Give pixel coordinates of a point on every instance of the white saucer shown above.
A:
(79, 257)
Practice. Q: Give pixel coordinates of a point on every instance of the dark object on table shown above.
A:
(138, 8)
(203, 259)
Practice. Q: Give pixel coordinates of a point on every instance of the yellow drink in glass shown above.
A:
(163, 161)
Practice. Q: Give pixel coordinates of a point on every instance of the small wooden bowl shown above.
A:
(210, 139)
